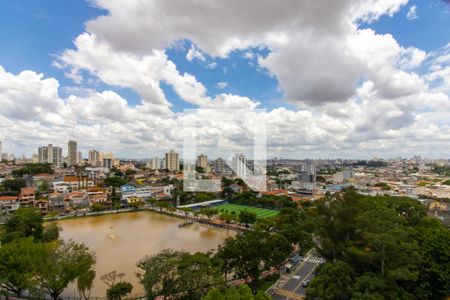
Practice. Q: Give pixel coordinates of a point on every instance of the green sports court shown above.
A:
(260, 212)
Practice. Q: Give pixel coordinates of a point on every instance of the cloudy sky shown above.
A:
(349, 78)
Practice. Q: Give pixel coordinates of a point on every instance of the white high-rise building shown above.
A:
(50, 155)
(172, 161)
(72, 153)
(239, 163)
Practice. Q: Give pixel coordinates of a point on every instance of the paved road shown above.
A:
(291, 286)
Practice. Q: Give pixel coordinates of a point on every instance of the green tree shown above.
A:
(247, 217)
(162, 205)
(85, 283)
(14, 185)
(152, 202)
(18, 265)
(279, 247)
(119, 290)
(62, 263)
(136, 205)
(97, 207)
(235, 293)
(246, 254)
(26, 222)
(44, 186)
(334, 280)
(226, 217)
(178, 274)
(117, 206)
(114, 182)
(51, 232)
(208, 212)
(186, 211)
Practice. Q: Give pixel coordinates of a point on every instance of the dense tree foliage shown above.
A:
(379, 247)
(242, 292)
(62, 263)
(18, 265)
(33, 260)
(33, 169)
(14, 185)
(247, 217)
(265, 201)
(248, 254)
(441, 170)
(119, 290)
(178, 274)
(26, 222)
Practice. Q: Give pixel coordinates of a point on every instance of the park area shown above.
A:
(260, 212)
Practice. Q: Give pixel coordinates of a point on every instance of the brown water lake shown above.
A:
(121, 240)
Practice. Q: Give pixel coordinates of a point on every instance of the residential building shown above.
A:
(108, 160)
(72, 153)
(239, 165)
(202, 162)
(172, 161)
(27, 196)
(154, 164)
(344, 176)
(56, 203)
(94, 158)
(97, 173)
(42, 205)
(78, 182)
(219, 165)
(50, 155)
(62, 187)
(9, 204)
(80, 160)
(77, 199)
(145, 192)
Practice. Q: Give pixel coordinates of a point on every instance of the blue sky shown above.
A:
(35, 34)
(34, 31)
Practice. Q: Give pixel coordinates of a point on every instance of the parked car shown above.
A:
(305, 283)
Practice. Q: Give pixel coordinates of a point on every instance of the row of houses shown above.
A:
(56, 202)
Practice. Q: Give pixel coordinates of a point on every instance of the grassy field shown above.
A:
(260, 212)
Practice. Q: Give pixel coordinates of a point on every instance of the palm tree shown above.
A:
(186, 211)
(171, 209)
(117, 206)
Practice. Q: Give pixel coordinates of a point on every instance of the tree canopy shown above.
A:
(381, 247)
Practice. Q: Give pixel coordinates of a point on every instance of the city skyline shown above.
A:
(358, 80)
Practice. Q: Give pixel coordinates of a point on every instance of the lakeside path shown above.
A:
(181, 215)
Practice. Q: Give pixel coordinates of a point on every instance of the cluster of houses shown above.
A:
(70, 192)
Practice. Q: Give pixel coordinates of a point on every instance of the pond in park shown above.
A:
(121, 240)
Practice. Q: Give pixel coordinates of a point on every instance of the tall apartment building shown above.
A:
(219, 165)
(80, 159)
(172, 161)
(108, 160)
(239, 163)
(202, 162)
(72, 153)
(154, 163)
(94, 158)
(1, 148)
(50, 154)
